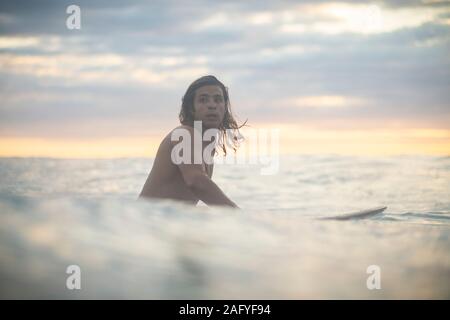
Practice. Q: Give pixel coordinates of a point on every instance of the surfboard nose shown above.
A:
(358, 214)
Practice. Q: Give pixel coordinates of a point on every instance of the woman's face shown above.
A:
(209, 106)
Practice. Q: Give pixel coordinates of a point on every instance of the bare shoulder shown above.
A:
(163, 155)
(178, 133)
(168, 142)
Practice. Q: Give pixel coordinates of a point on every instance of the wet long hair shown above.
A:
(187, 114)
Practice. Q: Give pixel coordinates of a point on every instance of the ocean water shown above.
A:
(55, 213)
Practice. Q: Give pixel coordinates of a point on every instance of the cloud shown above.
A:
(324, 102)
(286, 61)
(103, 69)
(335, 18)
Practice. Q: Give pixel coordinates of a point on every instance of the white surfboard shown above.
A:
(357, 215)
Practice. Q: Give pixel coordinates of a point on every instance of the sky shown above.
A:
(335, 77)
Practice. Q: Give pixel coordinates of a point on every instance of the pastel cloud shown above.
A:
(333, 65)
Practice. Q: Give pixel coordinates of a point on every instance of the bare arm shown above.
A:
(201, 185)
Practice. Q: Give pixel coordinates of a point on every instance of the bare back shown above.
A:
(165, 179)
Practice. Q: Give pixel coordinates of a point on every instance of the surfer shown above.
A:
(206, 102)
